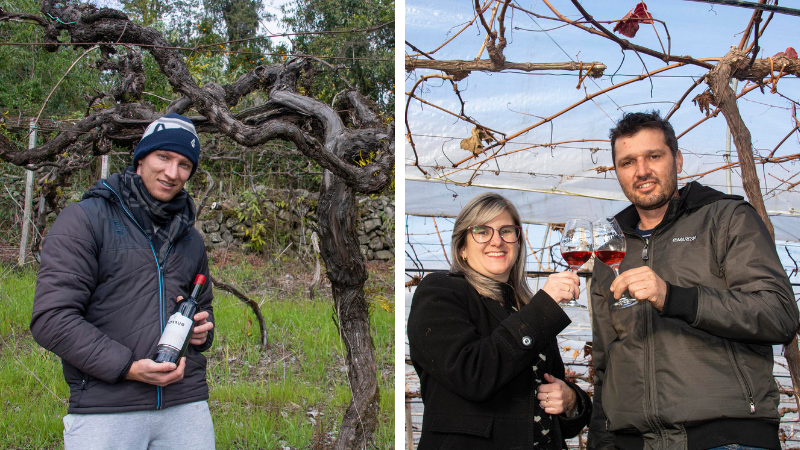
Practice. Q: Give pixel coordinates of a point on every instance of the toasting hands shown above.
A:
(643, 284)
(562, 286)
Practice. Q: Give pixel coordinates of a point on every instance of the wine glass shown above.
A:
(609, 247)
(576, 249)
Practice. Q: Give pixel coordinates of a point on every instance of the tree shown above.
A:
(29, 74)
(363, 43)
(350, 142)
(241, 20)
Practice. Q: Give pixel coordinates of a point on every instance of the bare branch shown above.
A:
(624, 43)
(227, 287)
(595, 69)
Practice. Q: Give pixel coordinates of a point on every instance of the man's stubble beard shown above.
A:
(657, 200)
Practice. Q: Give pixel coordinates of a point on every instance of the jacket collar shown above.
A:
(101, 190)
(690, 197)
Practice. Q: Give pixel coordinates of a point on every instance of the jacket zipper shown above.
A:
(159, 267)
(644, 250)
(648, 356)
(740, 374)
(737, 368)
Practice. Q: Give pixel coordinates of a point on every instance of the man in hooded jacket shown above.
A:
(689, 364)
(112, 268)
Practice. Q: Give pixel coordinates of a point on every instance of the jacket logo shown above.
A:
(118, 226)
(684, 239)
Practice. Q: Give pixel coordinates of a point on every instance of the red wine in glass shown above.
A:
(610, 257)
(577, 258)
(576, 249)
(609, 247)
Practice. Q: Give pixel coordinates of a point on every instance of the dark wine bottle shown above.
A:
(175, 337)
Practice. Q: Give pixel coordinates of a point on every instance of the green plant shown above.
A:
(259, 397)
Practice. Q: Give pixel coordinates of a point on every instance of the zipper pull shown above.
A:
(644, 250)
(752, 406)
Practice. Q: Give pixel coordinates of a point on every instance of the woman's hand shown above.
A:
(556, 397)
(563, 286)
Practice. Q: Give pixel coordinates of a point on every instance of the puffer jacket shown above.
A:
(474, 362)
(102, 301)
(708, 354)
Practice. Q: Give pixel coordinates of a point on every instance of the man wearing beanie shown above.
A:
(112, 268)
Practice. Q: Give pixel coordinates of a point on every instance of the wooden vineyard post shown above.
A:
(26, 215)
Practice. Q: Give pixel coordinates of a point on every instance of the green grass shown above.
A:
(291, 394)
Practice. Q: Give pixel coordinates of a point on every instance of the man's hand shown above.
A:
(158, 374)
(556, 397)
(201, 326)
(643, 284)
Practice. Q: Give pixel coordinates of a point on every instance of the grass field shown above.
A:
(290, 395)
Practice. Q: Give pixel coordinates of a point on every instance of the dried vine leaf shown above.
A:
(474, 144)
(703, 101)
(789, 53)
(629, 24)
(413, 281)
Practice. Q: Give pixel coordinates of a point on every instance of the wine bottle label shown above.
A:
(178, 327)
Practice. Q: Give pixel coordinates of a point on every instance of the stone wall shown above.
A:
(293, 212)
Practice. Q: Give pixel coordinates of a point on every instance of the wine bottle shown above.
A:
(175, 337)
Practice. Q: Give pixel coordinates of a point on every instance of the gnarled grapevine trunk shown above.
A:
(718, 79)
(338, 219)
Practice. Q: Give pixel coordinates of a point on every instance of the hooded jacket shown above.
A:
(102, 300)
(705, 361)
(474, 363)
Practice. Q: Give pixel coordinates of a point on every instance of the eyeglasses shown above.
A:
(484, 233)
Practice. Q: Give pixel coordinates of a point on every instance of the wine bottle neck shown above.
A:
(196, 291)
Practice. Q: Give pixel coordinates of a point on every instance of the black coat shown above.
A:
(474, 362)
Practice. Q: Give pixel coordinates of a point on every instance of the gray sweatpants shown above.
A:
(182, 426)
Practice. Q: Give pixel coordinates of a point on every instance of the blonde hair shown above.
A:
(479, 211)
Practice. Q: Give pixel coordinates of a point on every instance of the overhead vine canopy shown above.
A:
(547, 126)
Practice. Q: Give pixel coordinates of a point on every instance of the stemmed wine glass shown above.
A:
(576, 249)
(609, 247)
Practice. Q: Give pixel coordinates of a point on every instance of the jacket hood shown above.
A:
(690, 197)
(101, 190)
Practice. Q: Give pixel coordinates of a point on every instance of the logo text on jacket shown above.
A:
(684, 239)
(118, 226)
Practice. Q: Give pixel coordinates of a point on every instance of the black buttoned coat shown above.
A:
(474, 362)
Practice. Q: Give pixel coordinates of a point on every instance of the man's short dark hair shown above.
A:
(632, 123)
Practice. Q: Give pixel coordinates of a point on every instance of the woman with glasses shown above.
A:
(484, 346)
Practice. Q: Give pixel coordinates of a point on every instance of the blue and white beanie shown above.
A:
(173, 133)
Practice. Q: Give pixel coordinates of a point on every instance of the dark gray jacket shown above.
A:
(102, 301)
(708, 354)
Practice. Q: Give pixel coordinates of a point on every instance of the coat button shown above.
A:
(527, 341)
